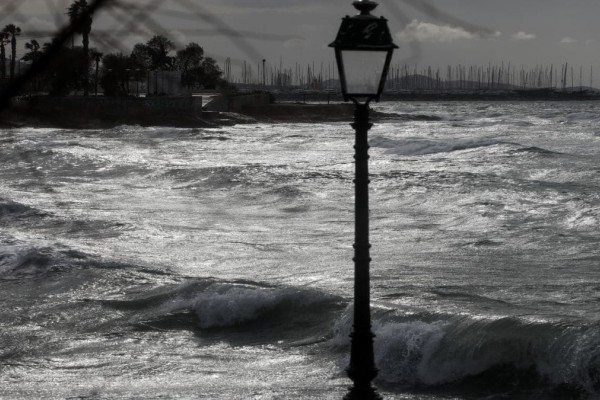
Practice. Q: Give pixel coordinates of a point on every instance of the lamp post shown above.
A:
(363, 50)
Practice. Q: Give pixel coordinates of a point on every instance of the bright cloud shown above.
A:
(418, 31)
(567, 40)
(178, 37)
(523, 36)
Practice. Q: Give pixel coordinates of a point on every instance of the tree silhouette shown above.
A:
(188, 61)
(190, 57)
(196, 70)
(34, 51)
(79, 11)
(66, 71)
(33, 55)
(210, 76)
(13, 31)
(4, 40)
(97, 56)
(115, 74)
(159, 48)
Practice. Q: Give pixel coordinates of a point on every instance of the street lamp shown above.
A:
(363, 50)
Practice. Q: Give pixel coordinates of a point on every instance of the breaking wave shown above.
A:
(439, 351)
(223, 305)
(18, 260)
(245, 312)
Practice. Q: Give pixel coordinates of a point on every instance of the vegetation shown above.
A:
(154, 56)
(71, 68)
(4, 40)
(34, 51)
(79, 10)
(158, 49)
(96, 56)
(66, 72)
(197, 70)
(13, 31)
(115, 75)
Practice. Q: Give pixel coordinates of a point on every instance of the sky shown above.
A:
(429, 32)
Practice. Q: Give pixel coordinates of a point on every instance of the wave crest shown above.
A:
(434, 351)
(11, 209)
(221, 305)
(418, 147)
(24, 261)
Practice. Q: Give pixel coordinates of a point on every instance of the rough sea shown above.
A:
(162, 263)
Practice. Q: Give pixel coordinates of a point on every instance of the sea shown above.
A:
(216, 263)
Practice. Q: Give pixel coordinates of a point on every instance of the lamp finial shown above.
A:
(364, 6)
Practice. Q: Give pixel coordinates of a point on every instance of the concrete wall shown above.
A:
(236, 103)
(119, 107)
(166, 82)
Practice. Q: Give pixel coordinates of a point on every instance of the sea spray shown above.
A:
(222, 304)
(404, 350)
(440, 351)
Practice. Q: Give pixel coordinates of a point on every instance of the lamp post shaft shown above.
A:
(362, 364)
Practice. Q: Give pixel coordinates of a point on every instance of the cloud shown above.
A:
(567, 40)
(308, 28)
(523, 36)
(261, 5)
(178, 37)
(295, 43)
(39, 27)
(418, 31)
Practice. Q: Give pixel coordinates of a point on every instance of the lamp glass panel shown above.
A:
(363, 70)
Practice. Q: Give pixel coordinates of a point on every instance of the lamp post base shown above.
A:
(362, 393)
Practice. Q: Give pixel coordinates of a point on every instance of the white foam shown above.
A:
(403, 350)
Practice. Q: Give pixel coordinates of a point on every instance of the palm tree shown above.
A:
(13, 31)
(34, 51)
(33, 55)
(79, 12)
(4, 40)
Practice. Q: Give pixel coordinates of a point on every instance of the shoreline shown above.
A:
(23, 114)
